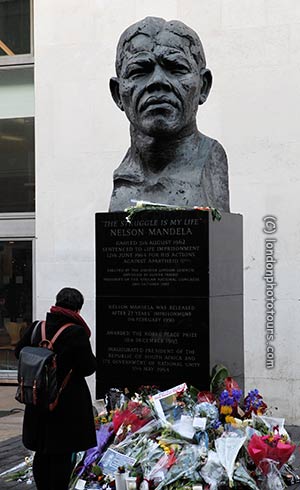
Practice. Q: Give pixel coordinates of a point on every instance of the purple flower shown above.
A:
(216, 424)
(236, 395)
(253, 399)
(103, 435)
(225, 398)
(230, 400)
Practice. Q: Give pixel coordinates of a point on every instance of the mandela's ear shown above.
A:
(115, 92)
(206, 78)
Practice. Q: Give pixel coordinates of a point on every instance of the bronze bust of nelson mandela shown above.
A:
(161, 80)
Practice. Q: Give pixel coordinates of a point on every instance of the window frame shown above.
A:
(20, 59)
(17, 226)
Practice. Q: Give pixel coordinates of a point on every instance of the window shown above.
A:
(15, 31)
(15, 297)
(17, 178)
(17, 186)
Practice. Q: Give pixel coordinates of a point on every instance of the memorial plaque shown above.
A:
(153, 341)
(168, 292)
(157, 253)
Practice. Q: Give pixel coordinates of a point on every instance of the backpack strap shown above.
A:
(54, 338)
(60, 331)
(34, 331)
(53, 405)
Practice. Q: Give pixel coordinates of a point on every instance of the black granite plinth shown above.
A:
(169, 298)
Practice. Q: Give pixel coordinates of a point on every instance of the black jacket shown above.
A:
(70, 427)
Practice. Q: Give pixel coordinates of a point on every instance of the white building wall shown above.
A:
(253, 49)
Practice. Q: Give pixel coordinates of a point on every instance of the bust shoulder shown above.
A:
(211, 144)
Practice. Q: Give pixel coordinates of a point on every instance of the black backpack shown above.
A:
(37, 383)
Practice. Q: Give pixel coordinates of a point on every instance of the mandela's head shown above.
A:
(161, 76)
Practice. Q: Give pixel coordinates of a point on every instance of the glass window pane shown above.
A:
(14, 27)
(17, 186)
(15, 297)
(16, 92)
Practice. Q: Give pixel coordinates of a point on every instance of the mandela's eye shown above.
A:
(178, 69)
(138, 70)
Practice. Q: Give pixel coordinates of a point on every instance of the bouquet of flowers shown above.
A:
(270, 447)
(130, 418)
(227, 448)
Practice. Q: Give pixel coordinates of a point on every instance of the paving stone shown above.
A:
(12, 453)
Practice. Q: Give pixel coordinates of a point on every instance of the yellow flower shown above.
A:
(226, 410)
(163, 446)
(229, 420)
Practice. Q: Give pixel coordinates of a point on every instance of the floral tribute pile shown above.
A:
(187, 439)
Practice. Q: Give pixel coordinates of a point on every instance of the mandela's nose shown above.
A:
(158, 80)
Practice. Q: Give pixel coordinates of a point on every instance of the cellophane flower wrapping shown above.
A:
(242, 476)
(213, 472)
(138, 444)
(187, 462)
(228, 447)
(272, 480)
(269, 423)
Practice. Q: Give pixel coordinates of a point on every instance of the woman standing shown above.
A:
(69, 428)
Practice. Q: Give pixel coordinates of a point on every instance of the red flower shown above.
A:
(206, 396)
(180, 394)
(135, 414)
(231, 384)
(171, 458)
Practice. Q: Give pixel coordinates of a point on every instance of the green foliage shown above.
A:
(194, 392)
(96, 470)
(140, 207)
(218, 376)
(216, 214)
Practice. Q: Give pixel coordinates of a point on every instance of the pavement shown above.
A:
(12, 451)
(11, 413)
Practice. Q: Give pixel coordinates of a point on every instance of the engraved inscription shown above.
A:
(150, 252)
(150, 337)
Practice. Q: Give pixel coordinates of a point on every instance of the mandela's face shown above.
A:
(159, 84)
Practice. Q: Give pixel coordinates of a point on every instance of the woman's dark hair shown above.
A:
(69, 298)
